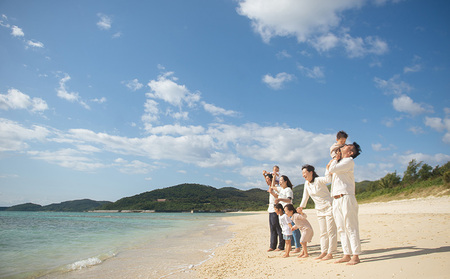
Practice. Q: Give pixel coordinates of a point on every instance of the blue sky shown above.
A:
(107, 99)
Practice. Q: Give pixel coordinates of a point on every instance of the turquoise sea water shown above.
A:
(33, 244)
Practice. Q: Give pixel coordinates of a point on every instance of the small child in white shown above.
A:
(341, 138)
(285, 223)
(301, 223)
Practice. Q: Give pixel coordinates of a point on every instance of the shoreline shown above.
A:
(400, 239)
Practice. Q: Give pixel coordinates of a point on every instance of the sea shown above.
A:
(153, 245)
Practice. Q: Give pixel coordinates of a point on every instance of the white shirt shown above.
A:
(318, 191)
(343, 180)
(271, 207)
(284, 224)
(284, 194)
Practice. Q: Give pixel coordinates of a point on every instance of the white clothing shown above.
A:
(345, 208)
(345, 211)
(334, 148)
(328, 234)
(284, 224)
(271, 207)
(343, 180)
(285, 194)
(318, 191)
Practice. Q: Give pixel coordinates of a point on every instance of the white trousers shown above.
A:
(345, 212)
(328, 235)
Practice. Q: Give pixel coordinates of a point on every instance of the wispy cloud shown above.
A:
(277, 82)
(105, 22)
(315, 72)
(69, 96)
(133, 85)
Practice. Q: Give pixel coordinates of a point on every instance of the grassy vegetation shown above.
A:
(419, 180)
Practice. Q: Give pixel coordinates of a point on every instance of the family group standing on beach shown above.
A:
(337, 212)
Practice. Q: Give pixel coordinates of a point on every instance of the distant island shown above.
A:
(418, 180)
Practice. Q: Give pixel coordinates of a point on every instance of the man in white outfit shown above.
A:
(345, 206)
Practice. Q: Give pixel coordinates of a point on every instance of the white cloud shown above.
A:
(294, 18)
(134, 167)
(18, 100)
(393, 85)
(413, 69)
(133, 85)
(325, 42)
(440, 125)
(14, 137)
(278, 81)
(217, 110)
(68, 158)
(35, 44)
(117, 35)
(151, 114)
(405, 104)
(310, 22)
(100, 101)
(436, 159)
(171, 92)
(283, 54)
(358, 47)
(315, 73)
(69, 96)
(105, 21)
(16, 31)
(416, 130)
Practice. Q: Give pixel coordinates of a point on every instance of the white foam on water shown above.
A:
(84, 263)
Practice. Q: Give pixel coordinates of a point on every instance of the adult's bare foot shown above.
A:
(278, 249)
(327, 257)
(270, 250)
(299, 256)
(320, 256)
(305, 256)
(296, 250)
(285, 255)
(344, 259)
(354, 260)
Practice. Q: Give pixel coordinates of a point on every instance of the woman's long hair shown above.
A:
(310, 168)
(288, 182)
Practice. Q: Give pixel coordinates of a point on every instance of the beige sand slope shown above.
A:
(400, 239)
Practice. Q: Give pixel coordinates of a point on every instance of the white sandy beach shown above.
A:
(400, 239)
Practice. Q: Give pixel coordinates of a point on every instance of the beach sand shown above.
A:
(400, 239)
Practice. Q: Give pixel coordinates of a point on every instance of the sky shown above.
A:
(108, 99)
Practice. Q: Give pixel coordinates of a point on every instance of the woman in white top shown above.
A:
(286, 196)
(316, 188)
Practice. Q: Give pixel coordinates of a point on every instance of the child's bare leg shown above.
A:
(354, 260)
(287, 247)
(304, 250)
(321, 256)
(327, 257)
(344, 259)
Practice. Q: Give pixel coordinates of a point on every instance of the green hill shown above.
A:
(68, 206)
(187, 197)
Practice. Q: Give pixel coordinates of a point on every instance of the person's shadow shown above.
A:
(393, 252)
(386, 255)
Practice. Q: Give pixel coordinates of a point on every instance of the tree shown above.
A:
(425, 172)
(390, 180)
(410, 175)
